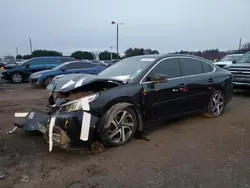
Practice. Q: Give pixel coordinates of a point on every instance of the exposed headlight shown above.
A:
(77, 104)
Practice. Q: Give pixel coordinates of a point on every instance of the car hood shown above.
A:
(240, 65)
(223, 63)
(67, 83)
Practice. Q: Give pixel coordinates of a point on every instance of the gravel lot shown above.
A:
(195, 152)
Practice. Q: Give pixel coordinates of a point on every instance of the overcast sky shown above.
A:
(165, 25)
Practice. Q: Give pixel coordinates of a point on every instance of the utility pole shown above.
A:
(239, 45)
(111, 56)
(17, 51)
(30, 46)
(117, 35)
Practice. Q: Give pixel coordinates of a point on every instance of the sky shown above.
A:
(164, 25)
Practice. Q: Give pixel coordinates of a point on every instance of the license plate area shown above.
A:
(35, 118)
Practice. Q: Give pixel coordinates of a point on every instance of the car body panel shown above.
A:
(164, 99)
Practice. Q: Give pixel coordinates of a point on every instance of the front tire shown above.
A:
(216, 104)
(47, 81)
(119, 125)
(17, 77)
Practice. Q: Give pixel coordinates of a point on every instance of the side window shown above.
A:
(206, 67)
(52, 61)
(36, 63)
(71, 65)
(191, 66)
(170, 67)
(87, 65)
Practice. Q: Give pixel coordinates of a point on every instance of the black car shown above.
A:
(22, 72)
(128, 96)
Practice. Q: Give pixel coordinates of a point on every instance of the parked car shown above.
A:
(228, 60)
(128, 96)
(22, 72)
(7, 65)
(241, 72)
(43, 78)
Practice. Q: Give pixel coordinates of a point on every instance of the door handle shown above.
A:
(210, 80)
(183, 87)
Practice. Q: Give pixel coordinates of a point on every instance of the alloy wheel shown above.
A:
(217, 104)
(17, 78)
(121, 127)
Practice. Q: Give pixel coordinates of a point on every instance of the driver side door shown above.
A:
(166, 99)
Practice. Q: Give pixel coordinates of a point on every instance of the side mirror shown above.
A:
(234, 61)
(159, 78)
(27, 65)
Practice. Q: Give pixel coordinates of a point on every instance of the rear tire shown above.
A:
(17, 77)
(119, 125)
(216, 104)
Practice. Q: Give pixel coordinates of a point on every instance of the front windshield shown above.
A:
(231, 58)
(245, 58)
(129, 68)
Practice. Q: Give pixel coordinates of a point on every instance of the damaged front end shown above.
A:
(69, 118)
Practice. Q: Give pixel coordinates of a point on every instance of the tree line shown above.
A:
(106, 55)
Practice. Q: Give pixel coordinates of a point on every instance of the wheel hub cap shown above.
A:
(121, 127)
(217, 104)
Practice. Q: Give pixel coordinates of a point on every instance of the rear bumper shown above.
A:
(60, 129)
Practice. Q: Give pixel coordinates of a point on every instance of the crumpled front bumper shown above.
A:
(60, 128)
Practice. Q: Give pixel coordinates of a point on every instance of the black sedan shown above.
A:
(128, 96)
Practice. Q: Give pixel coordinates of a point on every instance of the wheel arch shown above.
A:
(19, 72)
(127, 102)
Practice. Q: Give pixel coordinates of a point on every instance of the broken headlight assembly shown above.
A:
(77, 104)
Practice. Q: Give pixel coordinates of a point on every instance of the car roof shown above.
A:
(66, 57)
(157, 57)
(82, 61)
(234, 54)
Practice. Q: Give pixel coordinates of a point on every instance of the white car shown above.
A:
(228, 60)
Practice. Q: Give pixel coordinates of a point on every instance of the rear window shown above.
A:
(206, 67)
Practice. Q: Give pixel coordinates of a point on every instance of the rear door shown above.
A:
(199, 79)
(166, 99)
